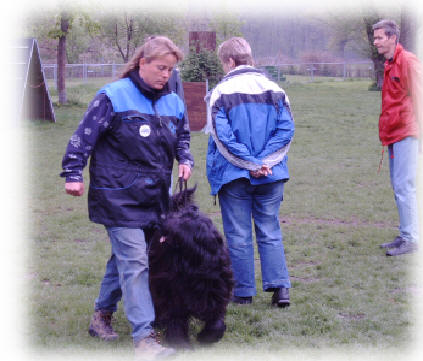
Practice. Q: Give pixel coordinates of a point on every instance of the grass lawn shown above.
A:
(348, 298)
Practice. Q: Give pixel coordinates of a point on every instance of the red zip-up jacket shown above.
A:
(401, 98)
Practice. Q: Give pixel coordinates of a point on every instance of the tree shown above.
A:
(63, 26)
(377, 59)
(226, 26)
(128, 31)
(345, 34)
(61, 58)
(408, 28)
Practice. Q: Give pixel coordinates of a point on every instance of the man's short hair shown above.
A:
(236, 48)
(390, 27)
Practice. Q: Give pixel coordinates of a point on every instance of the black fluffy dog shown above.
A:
(190, 272)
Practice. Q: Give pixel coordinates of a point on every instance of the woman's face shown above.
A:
(156, 73)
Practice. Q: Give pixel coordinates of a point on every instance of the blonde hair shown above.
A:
(236, 48)
(154, 47)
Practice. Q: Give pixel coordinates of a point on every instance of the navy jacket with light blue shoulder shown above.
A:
(133, 144)
(251, 124)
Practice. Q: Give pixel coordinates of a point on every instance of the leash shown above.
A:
(381, 160)
(183, 185)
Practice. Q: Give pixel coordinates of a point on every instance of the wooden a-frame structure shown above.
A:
(34, 97)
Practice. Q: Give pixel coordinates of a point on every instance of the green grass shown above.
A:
(347, 297)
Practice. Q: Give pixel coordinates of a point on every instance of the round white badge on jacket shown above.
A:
(145, 130)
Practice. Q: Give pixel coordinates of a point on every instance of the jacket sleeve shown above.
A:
(283, 133)
(234, 152)
(176, 85)
(183, 154)
(95, 122)
(415, 76)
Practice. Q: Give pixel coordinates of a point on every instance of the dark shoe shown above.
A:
(394, 244)
(280, 297)
(404, 248)
(101, 326)
(242, 300)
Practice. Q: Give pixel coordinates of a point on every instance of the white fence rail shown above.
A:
(84, 71)
(335, 70)
(278, 72)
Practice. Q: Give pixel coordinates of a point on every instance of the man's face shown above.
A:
(156, 73)
(385, 45)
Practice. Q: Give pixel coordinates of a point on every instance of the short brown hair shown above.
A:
(154, 47)
(390, 27)
(236, 48)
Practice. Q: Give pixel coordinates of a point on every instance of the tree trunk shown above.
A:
(61, 59)
(377, 59)
(408, 29)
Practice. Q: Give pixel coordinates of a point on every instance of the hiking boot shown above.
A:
(242, 300)
(394, 244)
(149, 349)
(404, 248)
(280, 297)
(101, 326)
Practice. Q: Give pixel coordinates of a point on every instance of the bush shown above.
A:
(198, 67)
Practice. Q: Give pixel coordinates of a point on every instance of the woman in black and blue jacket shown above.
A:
(133, 130)
(251, 128)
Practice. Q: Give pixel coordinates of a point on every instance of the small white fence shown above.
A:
(343, 71)
(84, 71)
(278, 72)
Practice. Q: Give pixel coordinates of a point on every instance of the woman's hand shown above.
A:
(184, 171)
(74, 188)
(264, 171)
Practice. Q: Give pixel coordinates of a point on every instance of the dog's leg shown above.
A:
(177, 332)
(212, 332)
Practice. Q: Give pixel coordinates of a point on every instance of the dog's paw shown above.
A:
(212, 332)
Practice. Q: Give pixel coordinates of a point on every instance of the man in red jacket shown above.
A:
(399, 124)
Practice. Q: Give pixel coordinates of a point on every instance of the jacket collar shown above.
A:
(242, 69)
(398, 50)
(145, 89)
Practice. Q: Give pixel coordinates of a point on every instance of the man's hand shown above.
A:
(74, 188)
(184, 171)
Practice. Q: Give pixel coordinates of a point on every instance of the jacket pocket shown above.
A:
(112, 179)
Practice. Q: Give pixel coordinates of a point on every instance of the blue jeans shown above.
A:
(239, 201)
(127, 275)
(403, 156)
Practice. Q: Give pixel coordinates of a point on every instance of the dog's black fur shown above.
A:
(190, 273)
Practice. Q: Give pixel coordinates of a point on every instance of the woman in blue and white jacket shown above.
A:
(133, 131)
(251, 128)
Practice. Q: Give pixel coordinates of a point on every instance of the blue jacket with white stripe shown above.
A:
(251, 124)
(132, 156)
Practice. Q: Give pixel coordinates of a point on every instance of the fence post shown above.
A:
(55, 75)
(345, 70)
(312, 72)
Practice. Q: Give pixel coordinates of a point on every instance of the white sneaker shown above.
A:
(148, 349)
